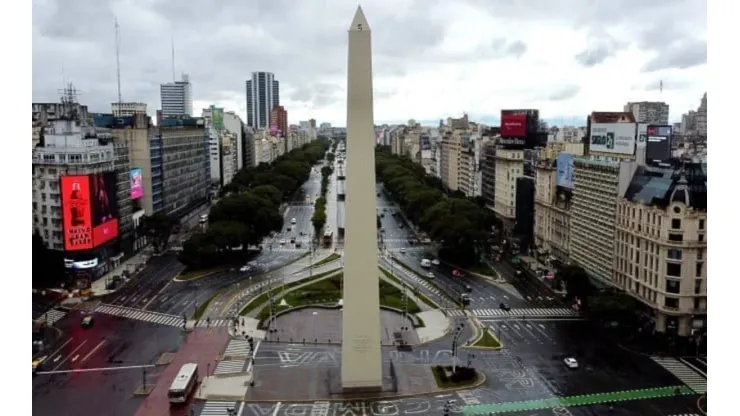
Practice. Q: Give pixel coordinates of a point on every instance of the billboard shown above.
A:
(89, 210)
(76, 215)
(659, 140)
(616, 138)
(641, 135)
(217, 118)
(564, 176)
(137, 187)
(513, 124)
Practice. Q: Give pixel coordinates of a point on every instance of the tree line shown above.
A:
(462, 225)
(318, 219)
(249, 209)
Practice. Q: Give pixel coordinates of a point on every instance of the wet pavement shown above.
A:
(325, 325)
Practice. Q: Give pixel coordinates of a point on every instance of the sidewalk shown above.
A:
(132, 265)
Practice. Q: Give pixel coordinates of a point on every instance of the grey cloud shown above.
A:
(564, 93)
(517, 48)
(318, 95)
(679, 56)
(600, 48)
(668, 84)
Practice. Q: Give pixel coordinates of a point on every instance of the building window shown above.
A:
(701, 237)
(671, 303)
(699, 269)
(700, 255)
(676, 223)
(701, 224)
(697, 303)
(672, 286)
(674, 254)
(673, 269)
(697, 286)
(675, 237)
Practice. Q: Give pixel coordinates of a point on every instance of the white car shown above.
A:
(282, 241)
(402, 250)
(430, 275)
(435, 262)
(244, 269)
(571, 362)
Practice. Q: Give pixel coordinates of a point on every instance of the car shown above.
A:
(292, 220)
(430, 275)
(570, 362)
(435, 262)
(402, 250)
(245, 269)
(504, 307)
(87, 321)
(468, 288)
(282, 241)
(292, 240)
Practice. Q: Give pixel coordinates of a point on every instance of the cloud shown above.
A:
(431, 58)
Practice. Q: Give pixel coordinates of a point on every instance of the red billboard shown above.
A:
(90, 214)
(513, 125)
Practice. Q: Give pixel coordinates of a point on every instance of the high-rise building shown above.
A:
(127, 109)
(263, 94)
(177, 98)
(648, 112)
(279, 119)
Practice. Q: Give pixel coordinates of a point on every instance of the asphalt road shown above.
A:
(95, 371)
(143, 287)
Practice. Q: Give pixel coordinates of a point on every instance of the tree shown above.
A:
(613, 306)
(270, 193)
(330, 157)
(47, 265)
(259, 215)
(577, 282)
(158, 228)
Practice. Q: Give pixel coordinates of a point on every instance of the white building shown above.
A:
(223, 147)
(234, 124)
(177, 98)
(127, 109)
(649, 112)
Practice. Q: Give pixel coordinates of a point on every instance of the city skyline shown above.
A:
(608, 72)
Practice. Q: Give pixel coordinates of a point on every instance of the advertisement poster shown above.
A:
(659, 140)
(641, 135)
(565, 171)
(103, 207)
(513, 125)
(137, 187)
(76, 215)
(615, 138)
(217, 118)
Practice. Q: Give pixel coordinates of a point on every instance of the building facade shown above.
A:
(509, 166)
(488, 173)
(263, 94)
(649, 112)
(661, 246)
(279, 119)
(127, 109)
(177, 98)
(551, 212)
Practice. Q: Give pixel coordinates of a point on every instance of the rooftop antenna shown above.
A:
(118, 62)
(172, 41)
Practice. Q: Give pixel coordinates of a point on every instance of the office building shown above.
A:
(661, 246)
(509, 166)
(279, 120)
(524, 218)
(263, 94)
(488, 173)
(127, 109)
(49, 112)
(648, 112)
(177, 98)
(234, 124)
(552, 212)
(185, 165)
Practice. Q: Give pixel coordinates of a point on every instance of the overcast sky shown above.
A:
(432, 58)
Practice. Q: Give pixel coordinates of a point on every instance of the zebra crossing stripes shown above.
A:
(686, 414)
(689, 377)
(528, 312)
(140, 315)
(415, 277)
(204, 323)
(237, 348)
(320, 408)
(51, 316)
(229, 367)
(214, 408)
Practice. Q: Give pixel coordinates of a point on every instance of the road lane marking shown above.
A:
(75, 357)
(73, 351)
(58, 357)
(88, 370)
(59, 349)
(277, 408)
(92, 351)
(254, 354)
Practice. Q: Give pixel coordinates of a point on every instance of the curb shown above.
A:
(475, 385)
(177, 279)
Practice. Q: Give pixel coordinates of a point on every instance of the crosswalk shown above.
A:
(230, 366)
(140, 315)
(519, 312)
(51, 316)
(237, 355)
(320, 409)
(214, 408)
(686, 414)
(238, 348)
(415, 277)
(689, 377)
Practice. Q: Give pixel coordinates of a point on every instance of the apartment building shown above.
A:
(185, 164)
(661, 245)
(488, 173)
(450, 159)
(552, 212)
(648, 112)
(43, 113)
(509, 165)
(127, 109)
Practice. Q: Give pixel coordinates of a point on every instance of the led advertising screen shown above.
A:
(659, 140)
(137, 187)
(513, 124)
(641, 135)
(217, 118)
(616, 138)
(76, 215)
(565, 171)
(103, 207)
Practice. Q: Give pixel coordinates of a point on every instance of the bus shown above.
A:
(328, 237)
(183, 384)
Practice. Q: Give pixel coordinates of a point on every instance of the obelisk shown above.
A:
(361, 354)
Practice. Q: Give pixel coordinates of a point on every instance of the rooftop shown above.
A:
(660, 186)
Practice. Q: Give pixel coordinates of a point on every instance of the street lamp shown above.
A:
(314, 323)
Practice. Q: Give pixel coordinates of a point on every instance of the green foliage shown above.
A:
(330, 157)
(319, 215)
(577, 282)
(459, 223)
(250, 207)
(157, 228)
(613, 305)
(47, 265)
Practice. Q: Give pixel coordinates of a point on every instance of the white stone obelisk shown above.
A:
(361, 354)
